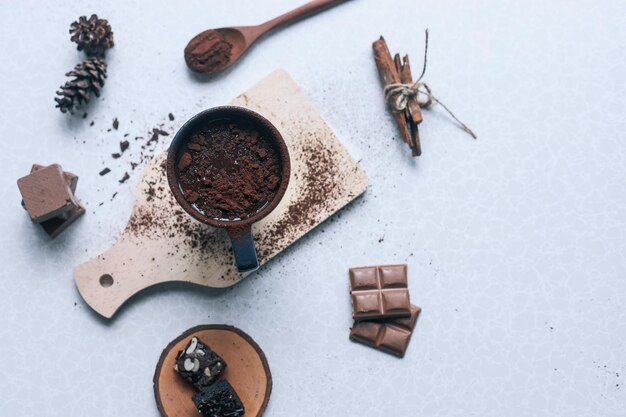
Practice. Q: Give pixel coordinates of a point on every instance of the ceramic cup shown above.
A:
(239, 231)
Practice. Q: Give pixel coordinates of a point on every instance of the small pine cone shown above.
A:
(92, 35)
(88, 79)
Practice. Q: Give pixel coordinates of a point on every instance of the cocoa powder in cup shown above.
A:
(228, 171)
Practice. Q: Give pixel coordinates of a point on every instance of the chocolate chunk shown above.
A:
(55, 226)
(46, 193)
(124, 145)
(171, 116)
(124, 178)
(198, 364)
(219, 400)
(390, 336)
(116, 123)
(105, 171)
(116, 155)
(379, 292)
(184, 161)
(71, 179)
(191, 196)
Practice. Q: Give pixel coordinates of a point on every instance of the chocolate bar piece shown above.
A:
(390, 336)
(54, 226)
(379, 292)
(198, 364)
(46, 194)
(219, 400)
(57, 225)
(71, 179)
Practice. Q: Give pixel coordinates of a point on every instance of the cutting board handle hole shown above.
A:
(106, 281)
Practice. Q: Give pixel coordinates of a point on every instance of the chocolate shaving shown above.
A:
(124, 178)
(105, 171)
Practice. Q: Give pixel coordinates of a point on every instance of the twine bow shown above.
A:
(398, 95)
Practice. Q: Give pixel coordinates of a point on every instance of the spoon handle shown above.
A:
(301, 12)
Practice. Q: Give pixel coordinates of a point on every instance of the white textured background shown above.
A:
(516, 242)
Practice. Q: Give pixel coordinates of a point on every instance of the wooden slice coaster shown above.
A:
(247, 371)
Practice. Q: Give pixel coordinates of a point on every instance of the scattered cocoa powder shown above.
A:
(228, 171)
(320, 187)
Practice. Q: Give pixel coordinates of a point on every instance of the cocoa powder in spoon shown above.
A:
(208, 52)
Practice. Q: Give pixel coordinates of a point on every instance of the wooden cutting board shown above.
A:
(161, 243)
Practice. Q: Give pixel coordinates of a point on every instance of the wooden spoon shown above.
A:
(214, 50)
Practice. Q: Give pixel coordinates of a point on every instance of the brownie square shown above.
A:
(198, 364)
(219, 400)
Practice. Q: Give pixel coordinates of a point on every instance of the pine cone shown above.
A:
(88, 79)
(92, 35)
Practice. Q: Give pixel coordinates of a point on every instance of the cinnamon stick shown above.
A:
(412, 105)
(412, 112)
(398, 63)
(389, 75)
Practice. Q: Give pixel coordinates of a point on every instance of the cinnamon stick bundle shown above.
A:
(394, 71)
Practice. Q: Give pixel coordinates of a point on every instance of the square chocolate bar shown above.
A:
(71, 179)
(219, 399)
(198, 364)
(46, 193)
(390, 336)
(379, 292)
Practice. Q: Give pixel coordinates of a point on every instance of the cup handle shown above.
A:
(244, 249)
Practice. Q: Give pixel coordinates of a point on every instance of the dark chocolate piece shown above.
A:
(46, 194)
(219, 400)
(390, 336)
(124, 178)
(198, 364)
(57, 225)
(379, 292)
(104, 171)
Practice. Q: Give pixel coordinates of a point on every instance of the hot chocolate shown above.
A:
(228, 171)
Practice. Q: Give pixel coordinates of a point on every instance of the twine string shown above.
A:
(398, 95)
